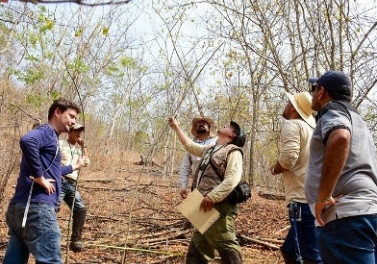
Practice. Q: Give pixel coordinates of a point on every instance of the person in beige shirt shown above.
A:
(218, 173)
(300, 245)
(73, 150)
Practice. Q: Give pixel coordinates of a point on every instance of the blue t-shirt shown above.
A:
(40, 156)
(358, 180)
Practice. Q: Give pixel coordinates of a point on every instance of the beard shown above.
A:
(201, 130)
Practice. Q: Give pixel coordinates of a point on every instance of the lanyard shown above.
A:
(32, 185)
(71, 150)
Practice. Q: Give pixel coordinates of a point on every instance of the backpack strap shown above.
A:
(214, 167)
(205, 162)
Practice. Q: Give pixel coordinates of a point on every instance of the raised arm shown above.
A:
(182, 136)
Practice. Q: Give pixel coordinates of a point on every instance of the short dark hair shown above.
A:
(63, 105)
(338, 96)
(240, 138)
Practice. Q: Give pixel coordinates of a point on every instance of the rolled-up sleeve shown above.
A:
(232, 177)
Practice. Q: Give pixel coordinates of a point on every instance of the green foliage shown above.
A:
(35, 99)
(112, 70)
(31, 57)
(105, 31)
(79, 32)
(78, 66)
(128, 62)
(45, 23)
(33, 38)
(31, 75)
(48, 25)
(54, 94)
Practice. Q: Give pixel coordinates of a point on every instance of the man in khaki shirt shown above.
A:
(300, 245)
(73, 150)
(218, 173)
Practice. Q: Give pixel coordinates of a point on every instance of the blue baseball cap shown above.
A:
(334, 81)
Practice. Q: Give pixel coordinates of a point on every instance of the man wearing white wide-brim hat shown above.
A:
(204, 131)
(300, 245)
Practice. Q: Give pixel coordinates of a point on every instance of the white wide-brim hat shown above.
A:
(302, 102)
(211, 123)
(78, 126)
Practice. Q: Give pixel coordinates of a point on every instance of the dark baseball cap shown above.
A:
(334, 81)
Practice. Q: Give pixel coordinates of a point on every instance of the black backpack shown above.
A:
(240, 194)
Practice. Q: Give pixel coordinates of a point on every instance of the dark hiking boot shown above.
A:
(78, 221)
(230, 256)
(290, 260)
(193, 256)
(310, 262)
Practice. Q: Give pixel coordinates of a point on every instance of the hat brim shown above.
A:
(79, 127)
(211, 123)
(309, 119)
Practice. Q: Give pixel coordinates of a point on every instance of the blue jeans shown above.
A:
(306, 235)
(40, 237)
(68, 194)
(350, 240)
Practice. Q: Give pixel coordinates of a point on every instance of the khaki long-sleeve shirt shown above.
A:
(294, 155)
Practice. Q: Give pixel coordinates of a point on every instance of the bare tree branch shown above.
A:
(79, 2)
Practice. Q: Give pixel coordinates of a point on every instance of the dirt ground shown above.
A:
(133, 217)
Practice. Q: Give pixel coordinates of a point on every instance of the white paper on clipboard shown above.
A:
(199, 219)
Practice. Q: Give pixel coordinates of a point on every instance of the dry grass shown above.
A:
(135, 208)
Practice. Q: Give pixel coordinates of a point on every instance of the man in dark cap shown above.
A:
(204, 131)
(341, 185)
(218, 173)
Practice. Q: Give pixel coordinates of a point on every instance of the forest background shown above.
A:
(132, 65)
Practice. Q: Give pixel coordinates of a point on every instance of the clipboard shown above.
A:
(199, 219)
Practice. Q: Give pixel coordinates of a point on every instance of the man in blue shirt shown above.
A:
(31, 217)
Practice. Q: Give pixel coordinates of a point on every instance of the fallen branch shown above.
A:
(259, 242)
(282, 230)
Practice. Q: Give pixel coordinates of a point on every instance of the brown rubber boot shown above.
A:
(78, 221)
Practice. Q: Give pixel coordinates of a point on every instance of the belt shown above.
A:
(72, 181)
